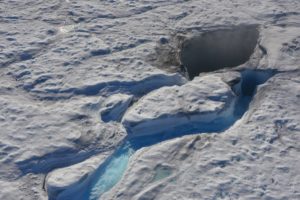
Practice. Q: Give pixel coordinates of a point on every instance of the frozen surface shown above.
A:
(70, 71)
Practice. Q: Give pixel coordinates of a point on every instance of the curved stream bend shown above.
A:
(112, 170)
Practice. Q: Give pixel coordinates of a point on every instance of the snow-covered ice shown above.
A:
(102, 98)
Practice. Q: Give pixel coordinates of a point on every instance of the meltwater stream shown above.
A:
(109, 173)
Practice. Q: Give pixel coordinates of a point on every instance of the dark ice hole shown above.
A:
(218, 49)
(251, 79)
(247, 88)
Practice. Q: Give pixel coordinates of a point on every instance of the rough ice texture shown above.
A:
(58, 59)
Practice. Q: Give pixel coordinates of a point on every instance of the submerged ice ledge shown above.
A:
(231, 103)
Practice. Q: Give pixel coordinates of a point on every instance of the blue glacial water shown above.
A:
(111, 173)
(112, 170)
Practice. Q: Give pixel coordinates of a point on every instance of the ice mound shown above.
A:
(202, 100)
